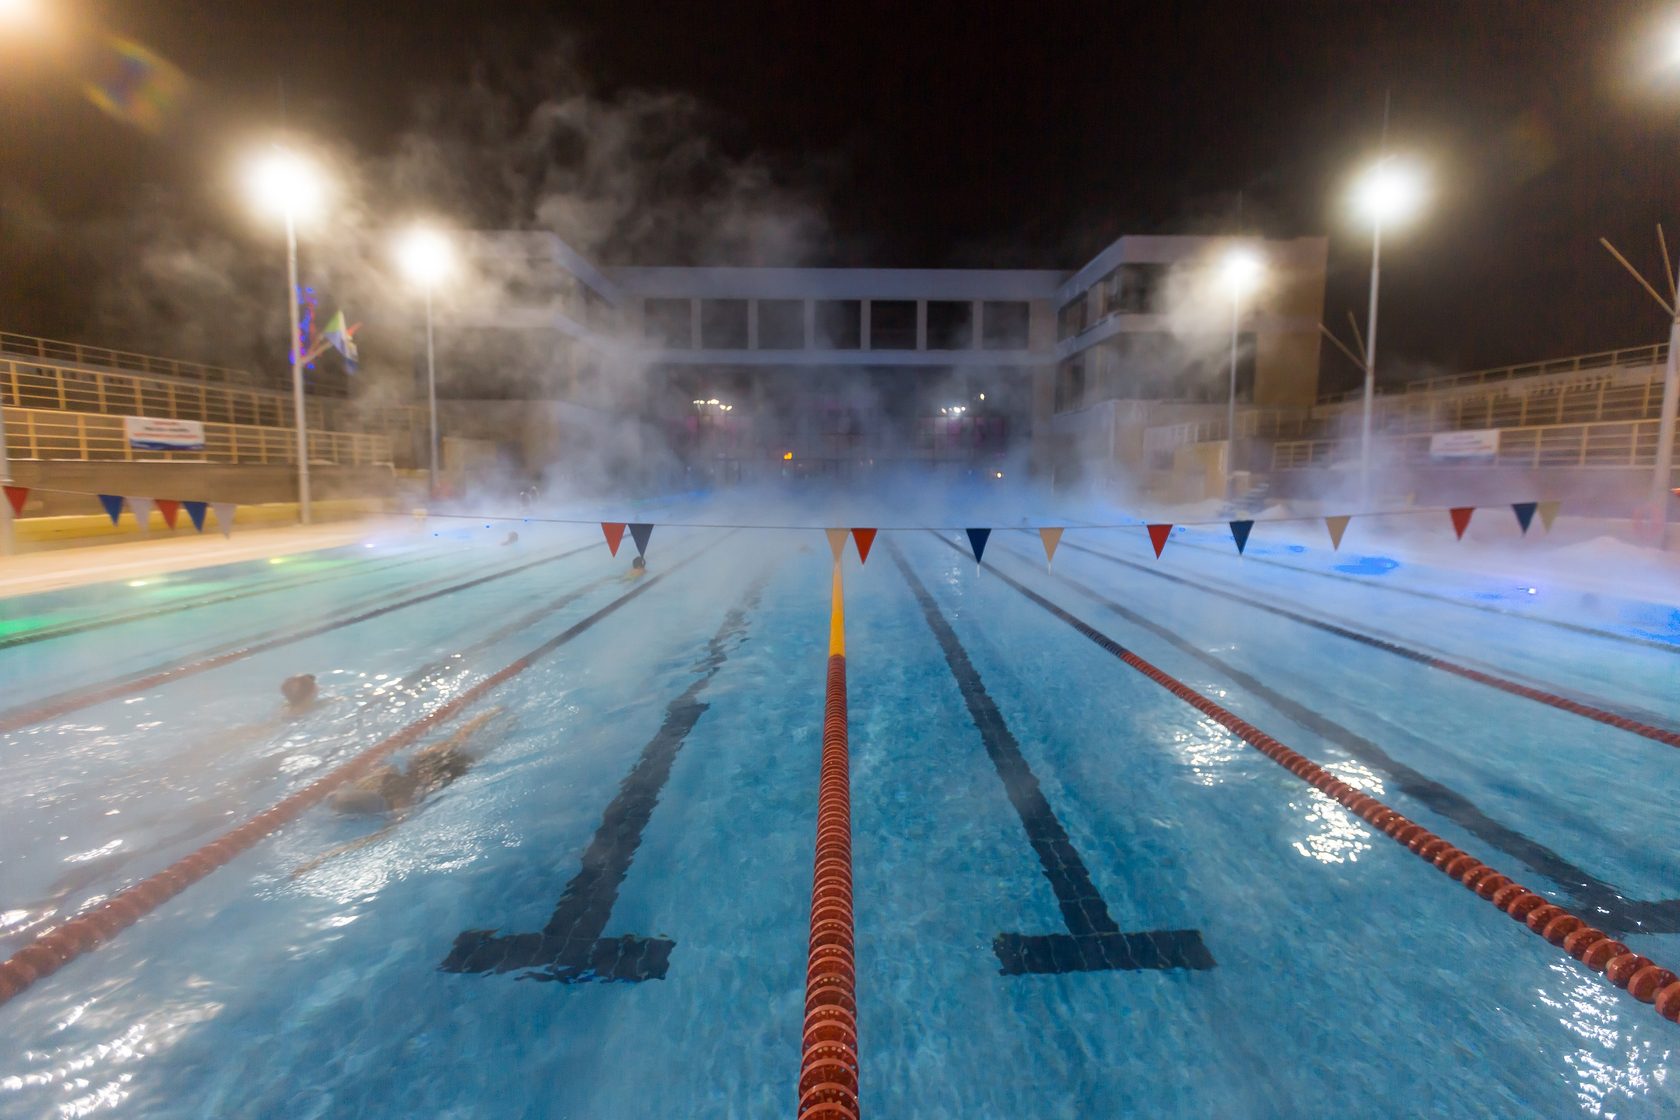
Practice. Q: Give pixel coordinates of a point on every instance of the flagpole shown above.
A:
(7, 543)
(296, 349)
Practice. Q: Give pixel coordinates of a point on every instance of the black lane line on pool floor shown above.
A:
(365, 566)
(65, 702)
(1652, 724)
(1094, 941)
(571, 949)
(1609, 909)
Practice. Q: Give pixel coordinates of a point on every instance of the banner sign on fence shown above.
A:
(145, 434)
(1481, 446)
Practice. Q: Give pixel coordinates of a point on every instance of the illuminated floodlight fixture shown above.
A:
(283, 182)
(1391, 190)
(16, 14)
(714, 400)
(426, 255)
(1241, 270)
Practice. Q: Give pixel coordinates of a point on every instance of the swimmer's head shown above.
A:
(299, 691)
(639, 564)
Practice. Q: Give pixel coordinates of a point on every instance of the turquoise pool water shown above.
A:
(653, 779)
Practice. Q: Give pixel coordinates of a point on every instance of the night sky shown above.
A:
(978, 134)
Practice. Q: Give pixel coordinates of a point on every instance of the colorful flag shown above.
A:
(1461, 518)
(1158, 535)
(836, 542)
(1239, 533)
(1525, 514)
(224, 517)
(1337, 526)
(864, 539)
(1049, 538)
(16, 496)
(977, 541)
(614, 532)
(341, 338)
(196, 511)
(640, 534)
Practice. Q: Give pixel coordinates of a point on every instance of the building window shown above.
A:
(950, 324)
(1139, 288)
(781, 324)
(668, 323)
(1070, 385)
(723, 324)
(1070, 320)
(1004, 325)
(839, 324)
(892, 324)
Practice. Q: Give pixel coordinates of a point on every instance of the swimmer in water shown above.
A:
(512, 538)
(394, 792)
(300, 692)
(638, 569)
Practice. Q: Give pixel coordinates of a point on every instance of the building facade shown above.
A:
(728, 374)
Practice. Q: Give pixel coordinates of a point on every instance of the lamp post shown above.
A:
(284, 182)
(1240, 272)
(1389, 192)
(15, 15)
(426, 256)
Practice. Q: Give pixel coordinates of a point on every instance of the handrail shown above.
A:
(43, 434)
(1651, 354)
(53, 385)
(1604, 445)
(31, 346)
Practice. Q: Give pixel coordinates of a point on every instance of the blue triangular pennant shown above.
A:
(977, 541)
(1525, 513)
(640, 534)
(196, 511)
(1239, 533)
(113, 506)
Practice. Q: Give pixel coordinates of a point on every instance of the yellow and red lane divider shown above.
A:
(828, 1069)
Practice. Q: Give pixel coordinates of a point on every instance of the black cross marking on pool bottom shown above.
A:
(570, 949)
(1094, 941)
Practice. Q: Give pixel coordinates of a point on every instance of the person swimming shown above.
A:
(638, 569)
(300, 692)
(512, 538)
(394, 792)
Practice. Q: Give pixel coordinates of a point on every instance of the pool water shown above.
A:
(647, 788)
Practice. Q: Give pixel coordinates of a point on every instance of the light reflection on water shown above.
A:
(1608, 1069)
(1339, 836)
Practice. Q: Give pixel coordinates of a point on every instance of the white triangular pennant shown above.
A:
(141, 508)
(224, 517)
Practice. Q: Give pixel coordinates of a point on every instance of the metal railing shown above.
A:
(1650, 355)
(1607, 444)
(50, 385)
(1253, 424)
(33, 433)
(47, 349)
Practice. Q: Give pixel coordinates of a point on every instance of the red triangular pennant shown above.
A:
(170, 508)
(1461, 519)
(863, 538)
(1337, 526)
(16, 495)
(1158, 537)
(614, 532)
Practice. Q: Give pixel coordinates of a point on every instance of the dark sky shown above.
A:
(980, 134)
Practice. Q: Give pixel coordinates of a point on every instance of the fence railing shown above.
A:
(33, 433)
(47, 349)
(49, 385)
(1598, 445)
(1651, 355)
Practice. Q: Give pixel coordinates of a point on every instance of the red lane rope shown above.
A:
(56, 948)
(828, 1069)
(1594, 948)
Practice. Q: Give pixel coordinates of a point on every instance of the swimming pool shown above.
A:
(1019, 794)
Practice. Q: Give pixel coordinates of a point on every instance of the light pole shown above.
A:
(14, 15)
(1240, 272)
(283, 182)
(1390, 191)
(426, 256)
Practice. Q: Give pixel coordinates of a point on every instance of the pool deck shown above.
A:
(50, 571)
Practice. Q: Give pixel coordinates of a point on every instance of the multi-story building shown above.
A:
(726, 374)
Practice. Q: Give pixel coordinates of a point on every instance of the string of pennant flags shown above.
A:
(641, 532)
(170, 509)
(1051, 536)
